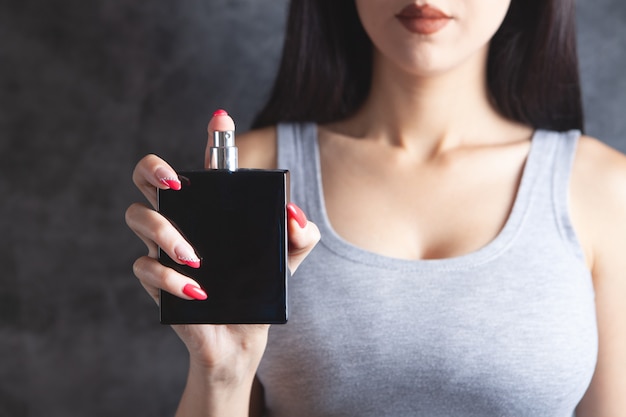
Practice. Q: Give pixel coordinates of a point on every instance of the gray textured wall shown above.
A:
(87, 88)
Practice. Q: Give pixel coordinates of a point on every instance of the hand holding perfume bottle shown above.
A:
(152, 173)
(236, 221)
(226, 352)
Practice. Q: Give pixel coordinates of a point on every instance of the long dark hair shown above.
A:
(326, 66)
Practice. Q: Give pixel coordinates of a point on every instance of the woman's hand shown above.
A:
(222, 356)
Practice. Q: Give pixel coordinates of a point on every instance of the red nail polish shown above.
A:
(173, 183)
(294, 212)
(220, 112)
(194, 292)
(192, 262)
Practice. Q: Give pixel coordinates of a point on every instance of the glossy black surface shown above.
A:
(236, 221)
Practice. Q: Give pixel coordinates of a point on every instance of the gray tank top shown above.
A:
(507, 330)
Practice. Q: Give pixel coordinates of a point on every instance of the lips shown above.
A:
(423, 20)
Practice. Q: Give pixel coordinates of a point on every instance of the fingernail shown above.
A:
(220, 112)
(165, 178)
(294, 212)
(173, 183)
(194, 292)
(188, 258)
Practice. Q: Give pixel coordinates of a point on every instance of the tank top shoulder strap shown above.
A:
(567, 143)
(297, 152)
(551, 192)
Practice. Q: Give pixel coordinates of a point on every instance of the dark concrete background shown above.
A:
(87, 88)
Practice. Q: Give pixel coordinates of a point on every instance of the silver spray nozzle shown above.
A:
(223, 152)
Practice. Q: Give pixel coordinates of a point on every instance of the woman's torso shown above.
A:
(504, 329)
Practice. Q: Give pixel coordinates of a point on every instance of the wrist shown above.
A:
(211, 393)
(224, 354)
(233, 374)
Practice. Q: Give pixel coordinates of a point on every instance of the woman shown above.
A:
(470, 261)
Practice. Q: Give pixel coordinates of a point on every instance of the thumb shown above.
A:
(303, 236)
(220, 122)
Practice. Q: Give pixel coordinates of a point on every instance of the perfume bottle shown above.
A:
(236, 220)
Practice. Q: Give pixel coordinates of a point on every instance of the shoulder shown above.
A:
(600, 171)
(598, 206)
(598, 196)
(596, 159)
(257, 148)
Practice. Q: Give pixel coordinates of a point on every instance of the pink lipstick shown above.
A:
(423, 20)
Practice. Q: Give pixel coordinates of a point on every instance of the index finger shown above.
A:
(152, 172)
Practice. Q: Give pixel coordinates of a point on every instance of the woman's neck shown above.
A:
(427, 114)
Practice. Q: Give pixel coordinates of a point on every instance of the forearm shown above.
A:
(206, 397)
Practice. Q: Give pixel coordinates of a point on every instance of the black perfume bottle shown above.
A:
(236, 221)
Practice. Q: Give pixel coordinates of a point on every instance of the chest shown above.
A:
(445, 207)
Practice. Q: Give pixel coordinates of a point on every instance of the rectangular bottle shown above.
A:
(236, 221)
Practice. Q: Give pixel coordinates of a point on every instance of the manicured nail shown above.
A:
(187, 257)
(173, 183)
(220, 112)
(294, 212)
(194, 292)
(167, 179)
